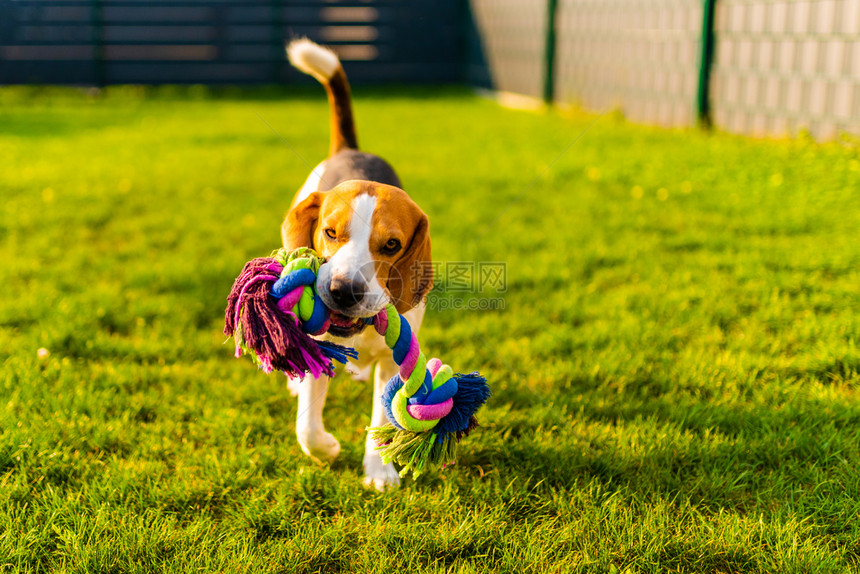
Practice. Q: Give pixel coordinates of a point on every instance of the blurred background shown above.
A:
(747, 66)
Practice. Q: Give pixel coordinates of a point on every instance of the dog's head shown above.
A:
(376, 242)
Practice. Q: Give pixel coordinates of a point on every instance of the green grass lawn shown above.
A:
(675, 369)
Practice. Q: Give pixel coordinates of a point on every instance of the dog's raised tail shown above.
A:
(324, 65)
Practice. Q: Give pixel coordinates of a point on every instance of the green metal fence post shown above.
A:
(703, 110)
(549, 53)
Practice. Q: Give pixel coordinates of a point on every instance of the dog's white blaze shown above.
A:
(360, 227)
(354, 261)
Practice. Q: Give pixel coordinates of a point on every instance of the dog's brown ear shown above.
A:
(300, 223)
(412, 276)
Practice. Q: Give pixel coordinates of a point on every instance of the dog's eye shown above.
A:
(391, 247)
(330, 233)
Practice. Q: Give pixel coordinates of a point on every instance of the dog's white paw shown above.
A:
(293, 385)
(319, 445)
(379, 475)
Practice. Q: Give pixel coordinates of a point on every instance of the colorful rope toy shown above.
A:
(272, 311)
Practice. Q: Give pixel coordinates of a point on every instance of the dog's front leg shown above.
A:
(313, 438)
(376, 473)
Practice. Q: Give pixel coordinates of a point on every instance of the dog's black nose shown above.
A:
(346, 293)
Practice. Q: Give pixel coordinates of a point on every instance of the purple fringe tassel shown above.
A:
(274, 335)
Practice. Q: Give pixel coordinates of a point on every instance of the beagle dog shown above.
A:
(376, 244)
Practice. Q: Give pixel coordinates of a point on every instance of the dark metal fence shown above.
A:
(223, 41)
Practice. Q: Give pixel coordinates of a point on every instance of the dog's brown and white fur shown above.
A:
(352, 211)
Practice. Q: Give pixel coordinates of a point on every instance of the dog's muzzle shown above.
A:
(346, 293)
